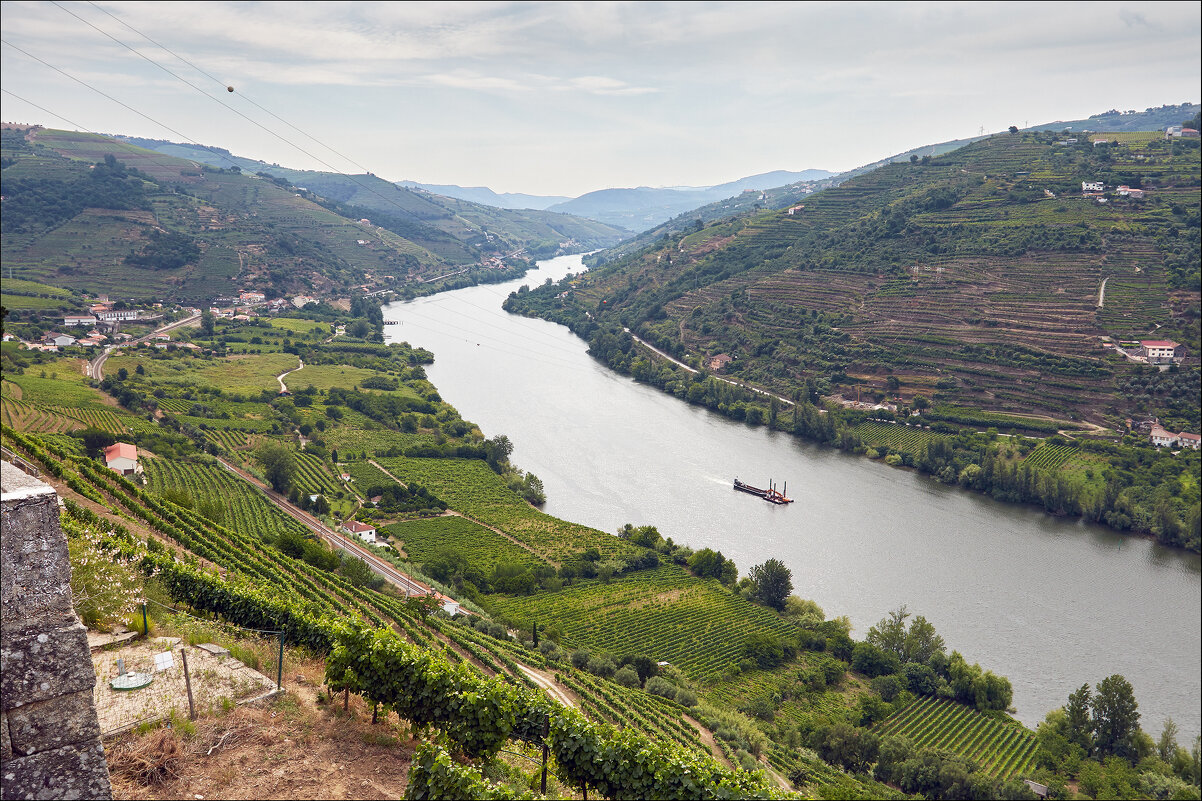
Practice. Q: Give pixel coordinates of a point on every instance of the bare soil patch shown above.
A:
(290, 748)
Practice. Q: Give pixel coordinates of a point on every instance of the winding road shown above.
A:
(280, 377)
(95, 368)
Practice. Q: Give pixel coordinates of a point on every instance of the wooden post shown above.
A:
(188, 683)
(545, 732)
(375, 708)
(145, 625)
(346, 698)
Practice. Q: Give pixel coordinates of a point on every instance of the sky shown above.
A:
(566, 98)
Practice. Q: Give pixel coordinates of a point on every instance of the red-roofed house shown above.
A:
(1158, 350)
(1163, 438)
(1189, 440)
(361, 530)
(122, 457)
(718, 362)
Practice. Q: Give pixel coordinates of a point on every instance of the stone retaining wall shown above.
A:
(50, 735)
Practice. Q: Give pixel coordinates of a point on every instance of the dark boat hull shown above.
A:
(769, 495)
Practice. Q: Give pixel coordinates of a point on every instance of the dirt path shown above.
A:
(280, 377)
(549, 686)
(1102, 292)
(707, 739)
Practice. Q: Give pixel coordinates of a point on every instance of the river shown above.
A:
(1050, 603)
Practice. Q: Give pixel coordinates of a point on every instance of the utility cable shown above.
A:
(219, 82)
(228, 107)
(101, 93)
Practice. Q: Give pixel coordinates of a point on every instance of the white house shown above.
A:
(79, 319)
(361, 530)
(58, 340)
(1187, 440)
(117, 315)
(1158, 350)
(122, 457)
(1162, 438)
(1092, 186)
(252, 297)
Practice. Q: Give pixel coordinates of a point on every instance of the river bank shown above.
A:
(1051, 603)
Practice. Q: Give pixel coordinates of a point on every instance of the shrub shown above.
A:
(686, 697)
(658, 685)
(580, 658)
(627, 677)
(602, 666)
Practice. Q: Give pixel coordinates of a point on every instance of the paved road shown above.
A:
(95, 367)
(732, 382)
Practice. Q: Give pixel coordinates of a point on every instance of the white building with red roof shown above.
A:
(361, 530)
(1158, 350)
(122, 457)
(1187, 440)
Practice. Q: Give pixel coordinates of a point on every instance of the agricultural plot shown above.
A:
(626, 707)
(1051, 457)
(241, 508)
(312, 476)
(666, 614)
(909, 439)
(469, 486)
(35, 419)
(1004, 750)
(483, 547)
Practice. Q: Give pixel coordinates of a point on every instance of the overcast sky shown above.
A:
(565, 98)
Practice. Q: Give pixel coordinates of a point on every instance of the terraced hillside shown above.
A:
(151, 225)
(982, 278)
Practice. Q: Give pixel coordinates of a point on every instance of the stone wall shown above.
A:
(51, 738)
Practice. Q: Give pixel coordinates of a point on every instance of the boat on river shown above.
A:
(771, 495)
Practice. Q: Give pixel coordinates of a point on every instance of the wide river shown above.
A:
(1052, 604)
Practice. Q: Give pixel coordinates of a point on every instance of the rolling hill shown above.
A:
(981, 278)
(97, 214)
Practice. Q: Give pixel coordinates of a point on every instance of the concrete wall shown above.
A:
(51, 737)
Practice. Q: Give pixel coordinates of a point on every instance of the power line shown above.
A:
(228, 107)
(219, 82)
(101, 93)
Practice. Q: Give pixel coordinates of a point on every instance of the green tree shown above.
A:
(1115, 717)
(773, 583)
(279, 466)
(208, 322)
(1078, 716)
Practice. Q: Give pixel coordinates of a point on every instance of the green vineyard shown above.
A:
(665, 614)
(471, 487)
(483, 547)
(1051, 457)
(909, 439)
(241, 508)
(1003, 750)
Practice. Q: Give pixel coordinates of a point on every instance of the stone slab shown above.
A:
(36, 592)
(69, 772)
(214, 649)
(46, 725)
(37, 667)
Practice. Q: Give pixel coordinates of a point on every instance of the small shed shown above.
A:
(123, 458)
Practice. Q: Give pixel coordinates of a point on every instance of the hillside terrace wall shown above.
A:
(50, 734)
